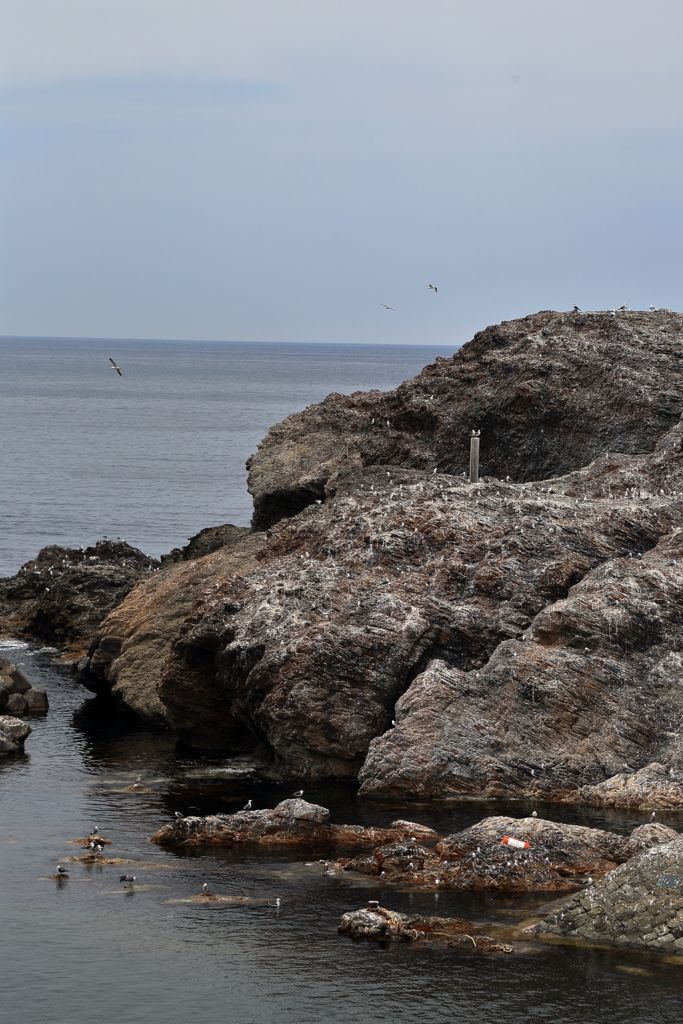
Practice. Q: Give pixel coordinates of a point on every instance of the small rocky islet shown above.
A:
(384, 620)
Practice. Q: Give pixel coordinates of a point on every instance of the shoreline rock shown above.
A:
(637, 906)
(381, 925)
(17, 696)
(13, 732)
(292, 822)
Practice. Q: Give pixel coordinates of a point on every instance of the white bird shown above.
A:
(62, 872)
(534, 814)
(178, 815)
(433, 287)
(653, 816)
(115, 367)
(127, 878)
(622, 308)
(277, 903)
(94, 830)
(388, 307)
(299, 793)
(576, 309)
(206, 889)
(653, 309)
(247, 806)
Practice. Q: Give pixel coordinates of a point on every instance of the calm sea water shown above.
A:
(154, 457)
(157, 454)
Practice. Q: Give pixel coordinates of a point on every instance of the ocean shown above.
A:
(157, 454)
(154, 456)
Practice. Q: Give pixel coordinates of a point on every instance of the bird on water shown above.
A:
(114, 366)
(127, 878)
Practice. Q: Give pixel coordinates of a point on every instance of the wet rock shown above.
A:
(655, 785)
(382, 925)
(638, 905)
(36, 701)
(547, 856)
(4, 697)
(292, 822)
(64, 593)
(16, 705)
(13, 679)
(13, 732)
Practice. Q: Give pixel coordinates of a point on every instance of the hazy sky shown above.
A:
(275, 169)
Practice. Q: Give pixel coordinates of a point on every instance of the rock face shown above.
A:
(652, 786)
(127, 653)
(549, 856)
(543, 390)
(436, 639)
(13, 732)
(64, 593)
(293, 822)
(639, 905)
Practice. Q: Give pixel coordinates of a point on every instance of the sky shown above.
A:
(275, 170)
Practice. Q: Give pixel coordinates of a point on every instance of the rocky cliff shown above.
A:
(435, 638)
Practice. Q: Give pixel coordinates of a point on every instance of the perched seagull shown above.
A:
(277, 903)
(115, 367)
(622, 308)
(653, 816)
(653, 309)
(576, 309)
(138, 782)
(62, 872)
(127, 878)
(388, 307)
(206, 889)
(534, 814)
(433, 287)
(94, 831)
(299, 793)
(247, 806)
(179, 816)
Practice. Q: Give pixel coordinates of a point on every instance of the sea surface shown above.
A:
(157, 454)
(154, 461)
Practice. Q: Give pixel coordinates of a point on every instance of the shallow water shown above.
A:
(85, 949)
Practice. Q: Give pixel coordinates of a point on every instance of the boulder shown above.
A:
(4, 697)
(382, 925)
(639, 905)
(16, 705)
(205, 542)
(36, 701)
(13, 732)
(655, 785)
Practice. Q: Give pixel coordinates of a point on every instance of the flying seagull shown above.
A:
(115, 367)
(387, 307)
(433, 287)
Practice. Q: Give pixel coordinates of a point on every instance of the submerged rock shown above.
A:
(509, 855)
(292, 822)
(639, 905)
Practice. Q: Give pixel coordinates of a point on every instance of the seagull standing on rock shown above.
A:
(299, 793)
(206, 890)
(62, 872)
(179, 816)
(576, 309)
(247, 806)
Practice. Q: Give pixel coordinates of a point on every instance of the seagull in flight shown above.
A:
(114, 366)
(387, 307)
(432, 286)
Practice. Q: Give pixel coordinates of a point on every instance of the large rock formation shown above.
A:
(64, 593)
(549, 393)
(435, 638)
